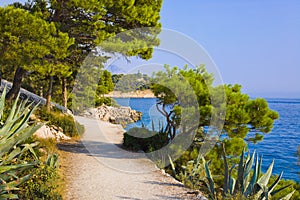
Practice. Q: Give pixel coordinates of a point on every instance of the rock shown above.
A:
(117, 115)
(44, 132)
(60, 129)
(51, 132)
(33, 117)
(61, 136)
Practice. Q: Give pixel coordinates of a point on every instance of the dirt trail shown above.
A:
(97, 168)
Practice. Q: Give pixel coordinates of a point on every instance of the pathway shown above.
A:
(97, 168)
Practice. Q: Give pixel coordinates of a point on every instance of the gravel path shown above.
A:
(97, 168)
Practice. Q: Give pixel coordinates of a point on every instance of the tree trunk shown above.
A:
(49, 93)
(64, 93)
(18, 78)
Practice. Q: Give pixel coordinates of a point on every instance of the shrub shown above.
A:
(142, 139)
(105, 100)
(66, 122)
(44, 184)
(46, 181)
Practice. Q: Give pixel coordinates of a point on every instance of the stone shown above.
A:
(51, 132)
(61, 136)
(117, 115)
(44, 132)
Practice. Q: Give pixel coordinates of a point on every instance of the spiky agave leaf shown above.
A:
(263, 181)
(14, 131)
(7, 168)
(2, 102)
(247, 170)
(226, 172)
(254, 178)
(240, 180)
(274, 184)
(52, 161)
(8, 144)
(211, 184)
(5, 130)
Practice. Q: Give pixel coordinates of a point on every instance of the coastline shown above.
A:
(133, 94)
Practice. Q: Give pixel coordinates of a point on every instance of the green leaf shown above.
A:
(271, 188)
(263, 181)
(253, 179)
(8, 196)
(232, 183)
(226, 172)
(11, 155)
(211, 184)
(172, 165)
(240, 183)
(280, 189)
(5, 169)
(2, 101)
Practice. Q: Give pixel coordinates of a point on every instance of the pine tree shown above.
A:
(92, 22)
(30, 47)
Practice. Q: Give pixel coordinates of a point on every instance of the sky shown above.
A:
(255, 43)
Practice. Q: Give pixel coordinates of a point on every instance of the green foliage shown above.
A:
(175, 89)
(191, 173)
(35, 46)
(248, 182)
(245, 114)
(28, 44)
(105, 100)
(105, 84)
(142, 139)
(49, 39)
(99, 20)
(66, 122)
(131, 82)
(13, 133)
(242, 113)
(293, 187)
(45, 182)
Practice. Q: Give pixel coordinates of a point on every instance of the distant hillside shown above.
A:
(126, 83)
(133, 94)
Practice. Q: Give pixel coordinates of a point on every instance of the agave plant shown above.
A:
(13, 132)
(192, 172)
(250, 183)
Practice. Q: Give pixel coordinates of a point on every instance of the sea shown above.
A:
(281, 144)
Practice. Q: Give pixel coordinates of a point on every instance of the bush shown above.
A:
(44, 184)
(142, 139)
(105, 100)
(46, 181)
(293, 186)
(66, 122)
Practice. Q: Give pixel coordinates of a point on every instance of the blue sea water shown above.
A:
(280, 144)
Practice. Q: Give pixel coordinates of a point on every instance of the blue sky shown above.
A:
(254, 43)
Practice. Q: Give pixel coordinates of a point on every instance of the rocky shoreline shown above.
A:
(115, 115)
